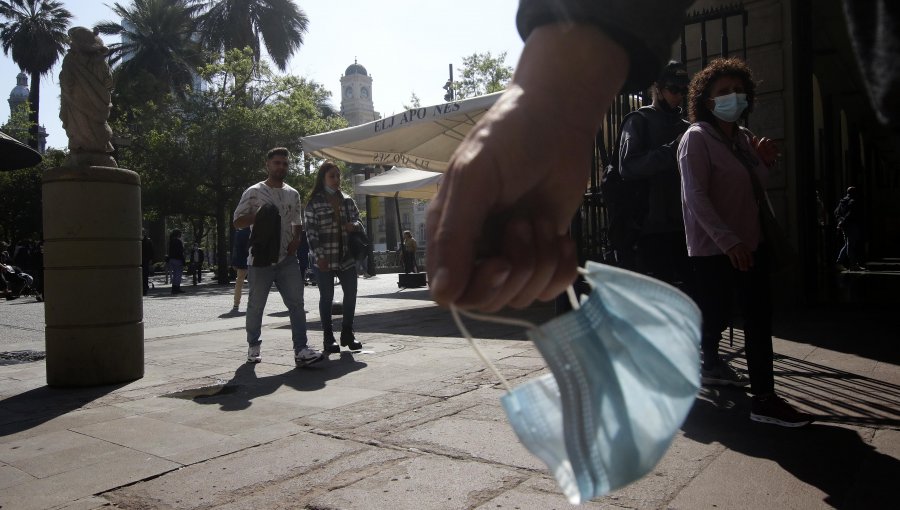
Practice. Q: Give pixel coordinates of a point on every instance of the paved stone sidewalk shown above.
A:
(415, 422)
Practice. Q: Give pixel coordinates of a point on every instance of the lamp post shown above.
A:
(450, 95)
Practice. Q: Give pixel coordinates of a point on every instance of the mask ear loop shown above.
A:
(456, 312)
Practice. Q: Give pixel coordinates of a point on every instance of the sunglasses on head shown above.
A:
(676, 89)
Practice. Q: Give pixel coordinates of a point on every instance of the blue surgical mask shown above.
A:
(330, 190)
(625, 371)
(730, 106)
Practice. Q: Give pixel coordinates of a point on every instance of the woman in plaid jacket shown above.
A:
(330, 217)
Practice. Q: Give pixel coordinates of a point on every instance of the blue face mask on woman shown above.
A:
(730, 106)
(625, 370)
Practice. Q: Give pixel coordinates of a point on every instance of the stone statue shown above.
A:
(86, 98)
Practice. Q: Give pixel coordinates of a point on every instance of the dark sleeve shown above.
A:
(636, 159)
(646, 29)
(874, 28)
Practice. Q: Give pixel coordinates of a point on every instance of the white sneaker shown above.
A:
(307, 356)
(253, 354)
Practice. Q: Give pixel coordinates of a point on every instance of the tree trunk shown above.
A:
(221, 246)
(34, 97)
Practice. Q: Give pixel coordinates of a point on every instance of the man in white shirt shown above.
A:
(285, 273)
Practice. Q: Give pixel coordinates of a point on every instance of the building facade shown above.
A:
(386, 218)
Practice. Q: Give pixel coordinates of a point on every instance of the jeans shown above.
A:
(850, 252)
(715, 284)
(326, 296)
(289, 282)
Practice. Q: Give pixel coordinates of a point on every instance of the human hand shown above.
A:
(497, 227)
(349, 227)
(292, 246)
(322, 264)
(766, 149)
(741, 257)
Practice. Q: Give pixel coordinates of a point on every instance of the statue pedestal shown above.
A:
(92, 275)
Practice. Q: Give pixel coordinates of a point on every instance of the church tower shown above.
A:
(17, 97)
(356, 96)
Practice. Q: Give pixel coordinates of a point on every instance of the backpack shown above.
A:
(625, 200)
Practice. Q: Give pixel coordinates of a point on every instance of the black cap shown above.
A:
(674, 72)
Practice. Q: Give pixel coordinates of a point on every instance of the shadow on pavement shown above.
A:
(833, 458)
(34, 407)
(831, 395)
(414, 294)
(246, 385)
(432, 321)
(868, 330)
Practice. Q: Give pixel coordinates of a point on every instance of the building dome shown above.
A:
(355, 69)
(19, 93)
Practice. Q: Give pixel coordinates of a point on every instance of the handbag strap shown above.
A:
(758, 191)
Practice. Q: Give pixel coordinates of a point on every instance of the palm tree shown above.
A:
(236, 24)
(35, 33)
(158, 53)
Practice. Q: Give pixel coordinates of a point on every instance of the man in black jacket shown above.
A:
(647, 157)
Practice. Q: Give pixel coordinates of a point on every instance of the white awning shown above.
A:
(420, 138)
(403, 183)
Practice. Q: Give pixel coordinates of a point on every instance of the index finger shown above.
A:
(455, 220)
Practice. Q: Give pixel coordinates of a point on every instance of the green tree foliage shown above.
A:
(20, 209)
(35, 33)
(235, 24)
(19, 123)
(414, 102)
(481, 74)
(157, 54)
(196, 155)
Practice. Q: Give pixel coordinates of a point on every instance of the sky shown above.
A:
(406, 46)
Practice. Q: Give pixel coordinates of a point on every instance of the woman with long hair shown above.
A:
(330, 217)
(723, 167)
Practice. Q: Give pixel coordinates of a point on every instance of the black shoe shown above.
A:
(349, 341)
(330, 344)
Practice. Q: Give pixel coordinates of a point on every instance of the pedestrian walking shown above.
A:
(721, 163)
(330, 216)
(273, 210)
(849, 222)
(648, 165)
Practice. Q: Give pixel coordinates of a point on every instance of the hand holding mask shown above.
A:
(624, 374)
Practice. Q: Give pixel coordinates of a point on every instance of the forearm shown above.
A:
(582, 84)
(647, 164)
(244, 221)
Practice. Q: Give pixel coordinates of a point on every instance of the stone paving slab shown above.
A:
(127, 467)
(348, 432)
(426, 481)
(221, 480)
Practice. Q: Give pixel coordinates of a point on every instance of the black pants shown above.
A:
(409, 262)
(664, 257)
(715, 285)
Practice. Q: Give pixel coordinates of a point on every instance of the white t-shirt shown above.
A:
(286, 199)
